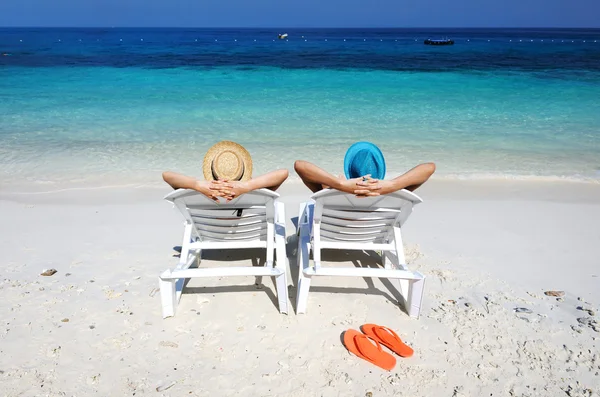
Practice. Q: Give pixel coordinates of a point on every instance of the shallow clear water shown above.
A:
(102, 110)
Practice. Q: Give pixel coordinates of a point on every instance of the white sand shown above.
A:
(504, 241)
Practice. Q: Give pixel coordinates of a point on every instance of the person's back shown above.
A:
(364, 167)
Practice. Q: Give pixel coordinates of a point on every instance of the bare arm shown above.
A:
(314, 177)
(317, 179)
(410, 180)
(225, 189)
(180, 181)
(271, 181)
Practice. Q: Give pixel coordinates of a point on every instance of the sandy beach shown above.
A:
(486, 247)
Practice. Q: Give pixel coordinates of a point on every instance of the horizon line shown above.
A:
(297, 27)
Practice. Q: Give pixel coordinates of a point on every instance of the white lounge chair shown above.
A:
(252, 220)
(337, 220)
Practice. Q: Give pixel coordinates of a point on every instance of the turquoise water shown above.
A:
(93, 124)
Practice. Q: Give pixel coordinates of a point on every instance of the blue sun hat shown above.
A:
(364, 158)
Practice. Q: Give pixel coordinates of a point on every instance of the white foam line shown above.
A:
(68, 189)
(485, 177)
(504, 177)
(295, 179)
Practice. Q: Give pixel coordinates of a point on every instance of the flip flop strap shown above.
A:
(385, 333)
(368, 339)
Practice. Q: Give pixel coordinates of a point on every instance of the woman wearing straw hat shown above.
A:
(364, 168)
(227, 169)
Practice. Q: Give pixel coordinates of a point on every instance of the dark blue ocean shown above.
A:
(103, 106)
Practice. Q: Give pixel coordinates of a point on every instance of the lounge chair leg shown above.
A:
(414, 297)
(282, 261)
(258, 282)
(404, 288)
(300, 217)
(387, 262)
(282, 295)
(168, 296)
(303, 281)
(303, 258)
(302, 295)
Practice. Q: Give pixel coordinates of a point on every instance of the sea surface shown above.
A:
(111, 106)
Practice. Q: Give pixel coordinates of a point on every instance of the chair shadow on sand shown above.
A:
(256, 255)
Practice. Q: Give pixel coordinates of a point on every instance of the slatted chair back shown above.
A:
(344, 217)
(245, 218)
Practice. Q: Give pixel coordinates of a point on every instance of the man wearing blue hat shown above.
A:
(364, 167)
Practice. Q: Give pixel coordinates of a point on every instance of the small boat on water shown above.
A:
(438, 42)
(282, 36)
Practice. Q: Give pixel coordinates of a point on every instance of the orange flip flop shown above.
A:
(363, 347)
(388, 338)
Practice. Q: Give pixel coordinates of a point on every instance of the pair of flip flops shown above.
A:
(367, 345)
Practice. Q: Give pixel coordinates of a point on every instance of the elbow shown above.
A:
(170, 177)
(299, 166)
(430, 167)
(283, 174)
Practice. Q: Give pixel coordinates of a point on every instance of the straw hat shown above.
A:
(227, 160)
